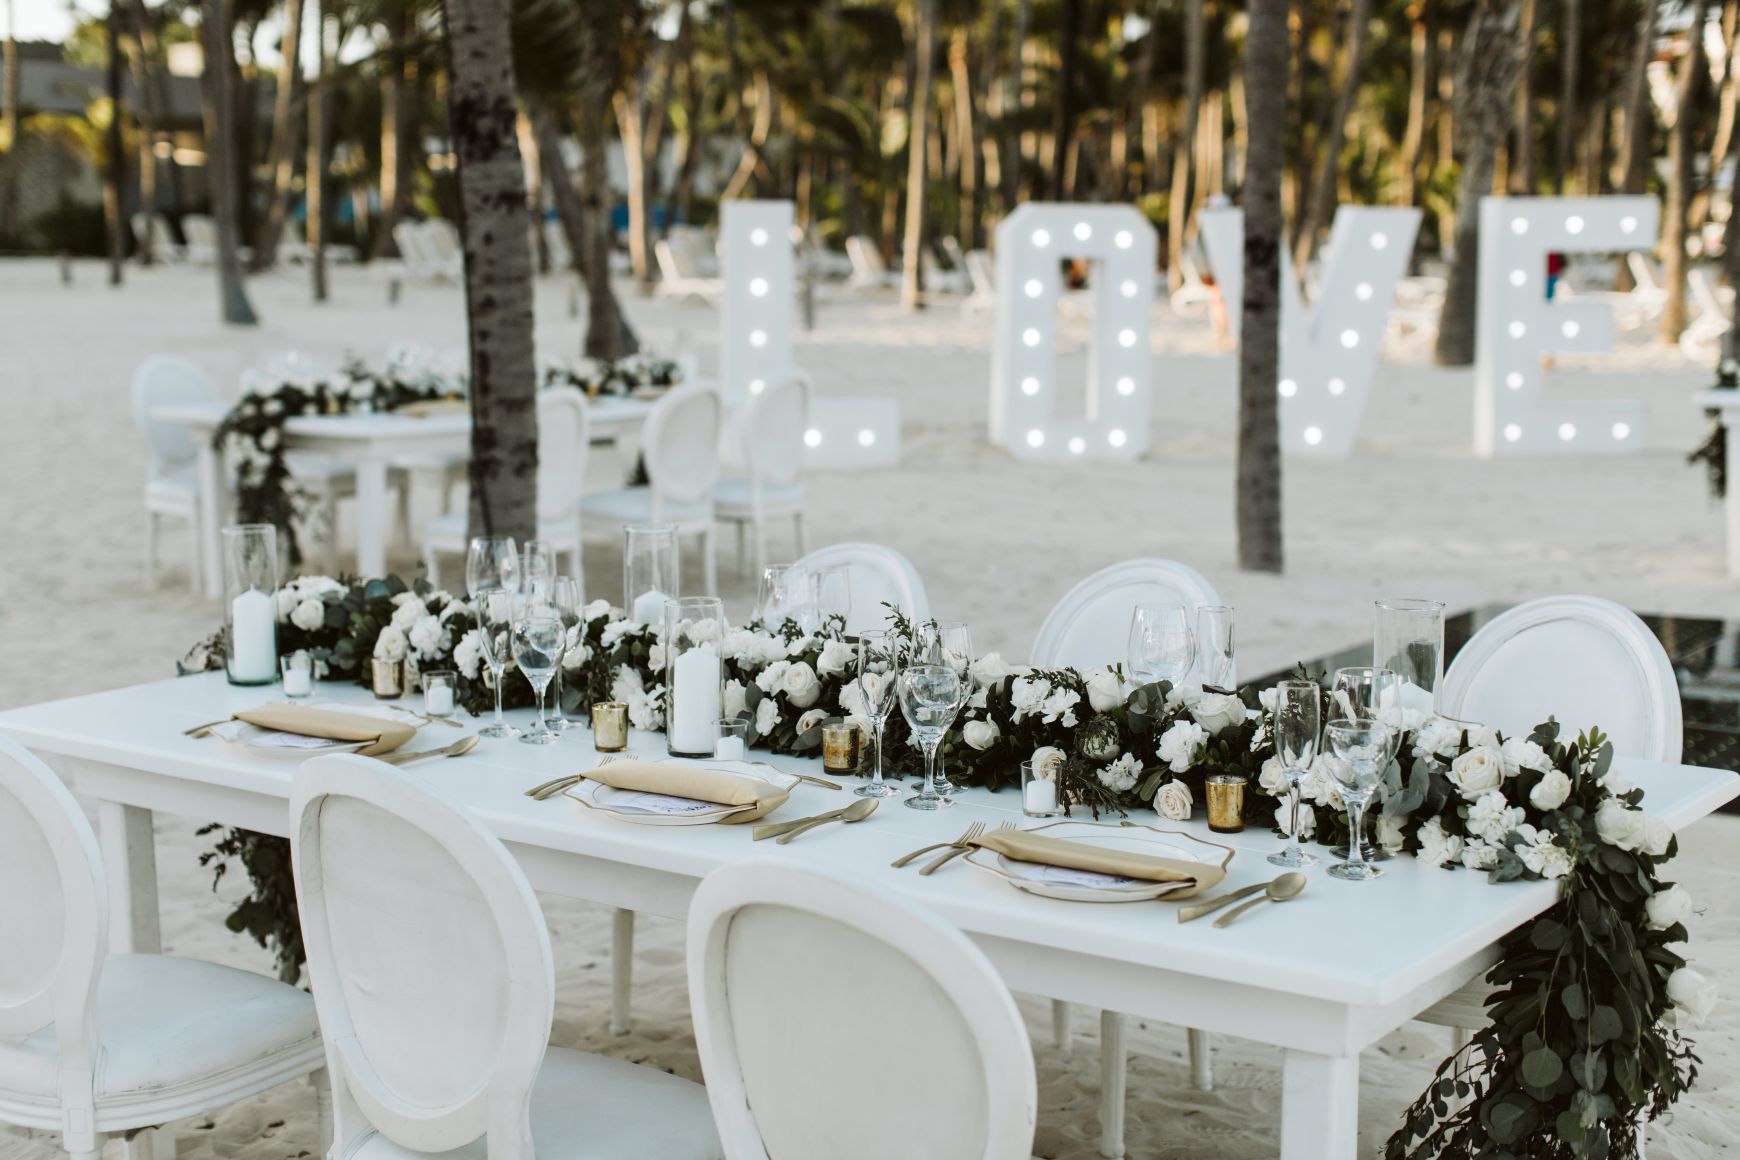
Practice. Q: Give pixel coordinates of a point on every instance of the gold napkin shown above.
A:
(1026, 846)
(694, 781)
(383, 736)
(426, 408)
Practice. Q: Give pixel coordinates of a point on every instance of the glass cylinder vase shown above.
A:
(1408, 639)
(250, 595)
(649, 571)
(694, 674)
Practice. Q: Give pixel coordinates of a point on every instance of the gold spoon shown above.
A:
(458, 749)
(856, 812)
(1288, 885)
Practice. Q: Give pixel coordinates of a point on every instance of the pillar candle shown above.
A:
(695, 700)
(253, 638)
(438, 701)
(649, 607)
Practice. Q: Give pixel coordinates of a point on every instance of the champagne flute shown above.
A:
(565, 596)
(492, 562)
(1359, 750)
(1368, 694)
(538, 637)
(495, 620)
(930, 696)
(1214, 645)
(1298, 719)
(877, 669)
(949, 642)
(1161, 647)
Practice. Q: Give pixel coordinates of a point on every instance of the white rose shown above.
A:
(837, 659)
(408, 613)
(1104, 689)
(1179, 745)
(766, 717)
(1184, 695)
(980, 735)
(1390, 834)
(468, 656)
(1620, 825)
(1656, 836)
(309, 615)
(1477, 771)
(1615, 783)
(800, 685)
(1693, 998)
(1121, 774)
(1273, 778)
(428, 637)
(1047, 762)
(1218, 711)
(989, 669)
(1551, 791)
(1437, 847)
(734, 704)
(1307, 820)
(1521, 753)
(1669, 906)
(391, 645)
(1269, 699)
(1174, 801)
(810, 720)
(596, 609)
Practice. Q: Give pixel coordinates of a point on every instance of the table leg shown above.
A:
(1731, 505)
(130, 866)
(1319, 1106)
(1113, 1082)
(371, 518)
(214, 501)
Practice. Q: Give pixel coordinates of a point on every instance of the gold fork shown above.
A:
(962, 848)
(973, 831)
(555, 786)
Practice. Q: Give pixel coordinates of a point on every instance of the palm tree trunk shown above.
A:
(1570, 53)
(608, 334)
(319, 151)
(971, 160)
(398, 129)
(547, 132)
(1523, 177)
(1724, 135)
(1015, 93)
(1063, 127)
(220, 168)
(1680, 177)
(115, 172)
(1414, 136)
(286, 136)
(154, 99)
(498, 269)
(917, 153)
(1259, 465)
(10, 120)
(1492, 56)
(1328, 168)
(1184, 167)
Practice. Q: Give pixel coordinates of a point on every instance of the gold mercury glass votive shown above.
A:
(1226, 803)
(610, 726)
(387, 677)
(842, 747)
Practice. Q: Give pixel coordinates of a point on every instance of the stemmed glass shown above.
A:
(1368, 694)
(1214, 644)
(833, 595)
(949, 642)
(537, 568)
(1161, 647)
(788, 592)
(1360, 750)
(538, 639)
(565, 596)
(495, 622)
(878, 667)
(1298, 720)
(492, 562)
(930, 696)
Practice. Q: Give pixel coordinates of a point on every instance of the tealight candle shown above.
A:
(298, 671)
(1038, 793)
(733, 739)
(439, 689)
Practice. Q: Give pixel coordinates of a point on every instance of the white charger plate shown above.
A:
(250, 737)
(1084, 886)
(609, 800)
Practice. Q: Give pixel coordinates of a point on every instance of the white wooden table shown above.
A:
(1728, 403)
(372, 443)
(1320, 978)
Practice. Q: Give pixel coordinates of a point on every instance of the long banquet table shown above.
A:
(372, 442)
(1320, 978)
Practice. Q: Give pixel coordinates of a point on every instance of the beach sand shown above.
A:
(1412, 511)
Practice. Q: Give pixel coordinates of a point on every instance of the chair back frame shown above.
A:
(1123, 585)
(893, 570)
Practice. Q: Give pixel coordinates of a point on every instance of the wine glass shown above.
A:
(537, 567)
(878, 666)
(538, 639)
(1214, 645)
(930, 696)
(1161, 647)
(492, 562)
(787, 593)
(565, 596)
(833, 595)
(1360, 750)
(495, 622)
(1368, 694)
(948, 642)
(1297, 722)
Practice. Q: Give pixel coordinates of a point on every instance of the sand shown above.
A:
(996, 543)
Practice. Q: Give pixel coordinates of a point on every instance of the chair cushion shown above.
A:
(634, 505)
(592, 1107)
(731, 498)
(165, 1022)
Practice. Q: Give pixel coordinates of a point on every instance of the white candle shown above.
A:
(438, 701)
(729, 749)
(1039, 796)
(253, 637)
(298, 682)
(649, 607)
(695, 696)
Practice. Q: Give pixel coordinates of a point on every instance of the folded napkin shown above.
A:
(426, 408)
(383, 735)
(1026, 846)
(703, 783)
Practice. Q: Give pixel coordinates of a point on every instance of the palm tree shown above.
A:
(319, 152)
(220, 112)
(9, 119)
(281, 151)
(1259, 467)
(498, 268)
(917, 152)
(114, 175)
(1673, 235)
(608, 334)
(1322, 195)
(1184, 162)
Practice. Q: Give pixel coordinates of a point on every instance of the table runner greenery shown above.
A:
(1590, 998)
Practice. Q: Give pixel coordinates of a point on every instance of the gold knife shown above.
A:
(1198, 909)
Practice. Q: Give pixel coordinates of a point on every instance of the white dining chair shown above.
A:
(564, 443)
(1087, 628)
(680, 444)
(94, 1044)
(1581, 660)
(791, 1061)
(434, 979)
(879, 575)
(171, 478)
(772, 434)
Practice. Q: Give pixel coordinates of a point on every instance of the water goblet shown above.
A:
(948, 642)
(1214, 645)
(565, 596)
(495, 621)
(1359, 749)
(1297, 724)
(538, 637)
(537, 567)
(1364, 693)
(930, 696)
(492, 562)
(833, 595)
(878, 668)
(1161, 647)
